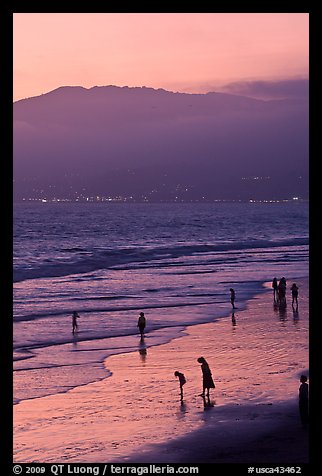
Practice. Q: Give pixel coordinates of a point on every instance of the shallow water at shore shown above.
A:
(175, 262)
(255, 363)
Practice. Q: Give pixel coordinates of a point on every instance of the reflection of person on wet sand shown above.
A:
(295, 314)
(75, 316)
(282, 312)
(142, 349)
(233, 319)
(143, 354)
(141, 323)
(182, 381)
(207, 403)
(207, 381)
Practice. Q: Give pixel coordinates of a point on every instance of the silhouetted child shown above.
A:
(295, 293)
(182, 381)
(141, 323)
(232, 297)
(304, 400)
(75, 316)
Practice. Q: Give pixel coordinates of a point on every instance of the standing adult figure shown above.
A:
(207, 381)
(304, 400)
(274, 286)
(282, 292)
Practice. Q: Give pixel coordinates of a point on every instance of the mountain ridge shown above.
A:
(76, 138)
(129, 88)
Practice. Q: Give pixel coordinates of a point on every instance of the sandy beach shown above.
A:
(135, 415)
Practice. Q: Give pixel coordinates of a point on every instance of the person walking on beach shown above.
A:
(295, 293)
(182, 381)
(232, 297)
(75, 316)
(274, 286)
(141, 323)
(304, 400)
(207, 381)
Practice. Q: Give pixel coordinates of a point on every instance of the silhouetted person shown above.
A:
(304, 400)
(207, 381)
(75, 316)
(182, 381)
(274, 286)
(295, 293)
(141, 323)
(281, 290)
(232, 297)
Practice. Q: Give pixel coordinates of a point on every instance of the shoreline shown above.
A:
(109, 342)
(83, 343)
(140, 399)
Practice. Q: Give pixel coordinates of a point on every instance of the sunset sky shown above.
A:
(186, 52)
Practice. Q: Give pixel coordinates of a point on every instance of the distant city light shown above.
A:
(151, 198)
(257, 178)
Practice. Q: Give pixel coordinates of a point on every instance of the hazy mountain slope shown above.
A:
(111, 140)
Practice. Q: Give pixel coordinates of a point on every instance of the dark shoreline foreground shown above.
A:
(241, 439)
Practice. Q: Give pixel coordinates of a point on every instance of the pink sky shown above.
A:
(188, 52)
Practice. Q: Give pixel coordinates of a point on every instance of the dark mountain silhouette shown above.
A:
(143, 142)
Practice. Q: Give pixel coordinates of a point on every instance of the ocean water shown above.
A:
(110, 261)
